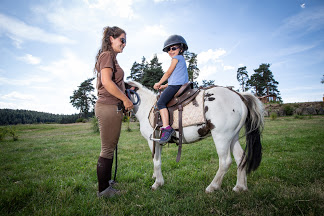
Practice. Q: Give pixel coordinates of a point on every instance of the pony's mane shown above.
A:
(148, 96)
(140, 87)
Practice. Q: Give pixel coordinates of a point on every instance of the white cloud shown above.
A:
(228, 67)
(212, 67)
(147, 37)
(16, 41)
(30, 59)
(158, 1)
(294, 49)
(304, 22)
(20, 31)
(165, 59)
(210, 55)
(155, 30)
(115, 8)
(17, 96)
(69, 68)
(23, 82)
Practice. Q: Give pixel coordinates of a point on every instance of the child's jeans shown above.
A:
(167, 95)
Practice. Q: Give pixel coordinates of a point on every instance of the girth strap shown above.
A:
(180, 108)
(155, 131)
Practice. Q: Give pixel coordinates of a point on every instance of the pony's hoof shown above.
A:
(238, 188)
(155, 187)
(211, 189)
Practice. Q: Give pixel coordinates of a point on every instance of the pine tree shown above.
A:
(83, 98)
(137, 70)
(263, 81)
(207, 83)
(152, 73)
(193, 70)
(242, 77)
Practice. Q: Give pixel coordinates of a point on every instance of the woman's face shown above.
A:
(174, 50)
(118, 44)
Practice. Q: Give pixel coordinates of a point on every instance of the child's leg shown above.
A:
(166, 96)
(165, 117)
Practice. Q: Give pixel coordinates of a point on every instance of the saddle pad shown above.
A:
(192, 114)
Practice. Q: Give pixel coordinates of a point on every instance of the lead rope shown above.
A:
(128, 114)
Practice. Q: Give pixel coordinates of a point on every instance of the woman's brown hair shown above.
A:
(115, 32)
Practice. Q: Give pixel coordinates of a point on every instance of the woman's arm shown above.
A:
(111, 87)
(167, 74)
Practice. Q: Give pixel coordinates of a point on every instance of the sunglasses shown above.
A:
(172, 48)
(123, 40)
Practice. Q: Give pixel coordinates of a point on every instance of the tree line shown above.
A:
(261, 83)
(13, 117)
(147, 73)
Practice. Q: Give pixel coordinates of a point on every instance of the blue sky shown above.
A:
(48, 47)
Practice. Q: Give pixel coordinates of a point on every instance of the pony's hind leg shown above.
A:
(223, 150)
(241, 183)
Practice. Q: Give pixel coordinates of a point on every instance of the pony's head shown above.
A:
(133, 85)
(138, 87)
(140, 93)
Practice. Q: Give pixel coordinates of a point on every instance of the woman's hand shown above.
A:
(157, 86)
(128, 104)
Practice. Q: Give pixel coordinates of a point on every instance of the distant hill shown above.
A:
(13, 117)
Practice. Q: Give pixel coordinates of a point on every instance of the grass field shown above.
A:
(51, 170)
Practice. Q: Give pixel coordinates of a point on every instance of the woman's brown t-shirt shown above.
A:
(108, 60)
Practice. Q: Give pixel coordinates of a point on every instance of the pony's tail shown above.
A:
(254, 122)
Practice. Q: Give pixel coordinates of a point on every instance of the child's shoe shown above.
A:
(166, 135)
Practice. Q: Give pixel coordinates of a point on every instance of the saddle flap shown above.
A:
(185, 87)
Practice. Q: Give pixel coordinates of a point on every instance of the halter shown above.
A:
(129, 92)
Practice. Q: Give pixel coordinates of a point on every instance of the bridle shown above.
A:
(131, 91)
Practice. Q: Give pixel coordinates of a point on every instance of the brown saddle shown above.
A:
(184, 96)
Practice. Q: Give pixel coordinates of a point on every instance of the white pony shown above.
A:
(226, 112)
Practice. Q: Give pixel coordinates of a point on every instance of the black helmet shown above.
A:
(175, 39)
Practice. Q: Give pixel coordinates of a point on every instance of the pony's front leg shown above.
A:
(157, 174)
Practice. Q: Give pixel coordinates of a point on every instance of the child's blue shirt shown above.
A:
(179, 75)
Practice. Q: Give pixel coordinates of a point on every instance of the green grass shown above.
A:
(51, 170)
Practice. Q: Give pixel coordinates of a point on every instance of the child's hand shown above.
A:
(163, 86)
(157, 86)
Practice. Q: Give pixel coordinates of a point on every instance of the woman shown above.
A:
(111, 97)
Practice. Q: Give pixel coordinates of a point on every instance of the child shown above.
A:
(177, 75)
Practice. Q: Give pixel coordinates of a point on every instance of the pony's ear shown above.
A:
(128, 86)
(134, 88)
